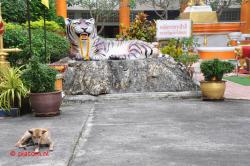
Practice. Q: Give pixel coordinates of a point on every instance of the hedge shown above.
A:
(17, 36)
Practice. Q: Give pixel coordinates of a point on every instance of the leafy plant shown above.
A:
(189, 43)
(140, 29)
(213, 70)
(51, 26)
(177, 47)
(182, 51)
(173, 48)
(17, 36)
(188, 59)
(12, 26)
(40, 78)
(12, 89)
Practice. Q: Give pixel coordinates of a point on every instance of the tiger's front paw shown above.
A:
(78, 57)
(98, 57)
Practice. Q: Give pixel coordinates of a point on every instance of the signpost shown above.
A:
(167, 29)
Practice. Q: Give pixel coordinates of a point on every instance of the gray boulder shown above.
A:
(126, 76)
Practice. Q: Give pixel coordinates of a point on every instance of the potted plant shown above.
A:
(40, 78)
(12, 91)
(213, 88)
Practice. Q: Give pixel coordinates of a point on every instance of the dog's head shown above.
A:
(36, 135)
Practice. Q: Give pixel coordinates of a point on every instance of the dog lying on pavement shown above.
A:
(36, 137)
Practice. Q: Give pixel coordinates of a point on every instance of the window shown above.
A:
(230, 15)
(71, 15)
(86, 15)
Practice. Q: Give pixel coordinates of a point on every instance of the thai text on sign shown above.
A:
(173, 29)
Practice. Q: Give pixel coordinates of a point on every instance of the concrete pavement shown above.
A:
(148, 132)
(166, 132)
(65, 130)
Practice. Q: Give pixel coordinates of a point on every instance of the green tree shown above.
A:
(16, 11)
(11, 10)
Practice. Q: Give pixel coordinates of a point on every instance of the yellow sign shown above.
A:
(46, 3)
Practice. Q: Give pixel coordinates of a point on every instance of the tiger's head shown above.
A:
(80, 27)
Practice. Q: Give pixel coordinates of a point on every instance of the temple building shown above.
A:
(111, 26)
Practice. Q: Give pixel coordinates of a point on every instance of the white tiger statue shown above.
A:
(100, 48)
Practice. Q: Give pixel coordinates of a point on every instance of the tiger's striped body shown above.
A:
(100, 48)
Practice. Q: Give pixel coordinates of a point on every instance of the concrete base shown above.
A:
(133, 132)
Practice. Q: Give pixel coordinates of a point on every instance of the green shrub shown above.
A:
(16, 11)
(213, 70)
(12, 89)
(39, 77)
(173, 48)
(182, 51)
(17, 36)
(11, 10)
(12, 26)
(177, 47)
(140, 29)
(188, 59)
(51, 26)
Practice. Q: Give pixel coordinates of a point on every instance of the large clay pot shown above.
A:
(213, 90)
(46, 104)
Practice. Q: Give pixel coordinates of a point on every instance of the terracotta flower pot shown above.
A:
(46, 104)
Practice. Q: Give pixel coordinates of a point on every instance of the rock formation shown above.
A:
(126, 76)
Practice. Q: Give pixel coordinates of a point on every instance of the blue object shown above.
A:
(13, 112)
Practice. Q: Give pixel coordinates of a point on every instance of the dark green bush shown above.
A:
(17, 36)
(40, 78)
(16, 11)
(11, 10)
(215, 69)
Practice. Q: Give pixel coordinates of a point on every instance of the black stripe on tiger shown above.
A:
(135, 45)
(135, 50)
(145, 46)
(129, 55)
(146, 51)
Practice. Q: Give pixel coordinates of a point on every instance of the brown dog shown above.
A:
(38, 136)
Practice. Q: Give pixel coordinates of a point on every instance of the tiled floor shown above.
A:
(236, 91)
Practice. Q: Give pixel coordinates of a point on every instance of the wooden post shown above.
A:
(61, 8)
(124, 15)
(245, 16)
